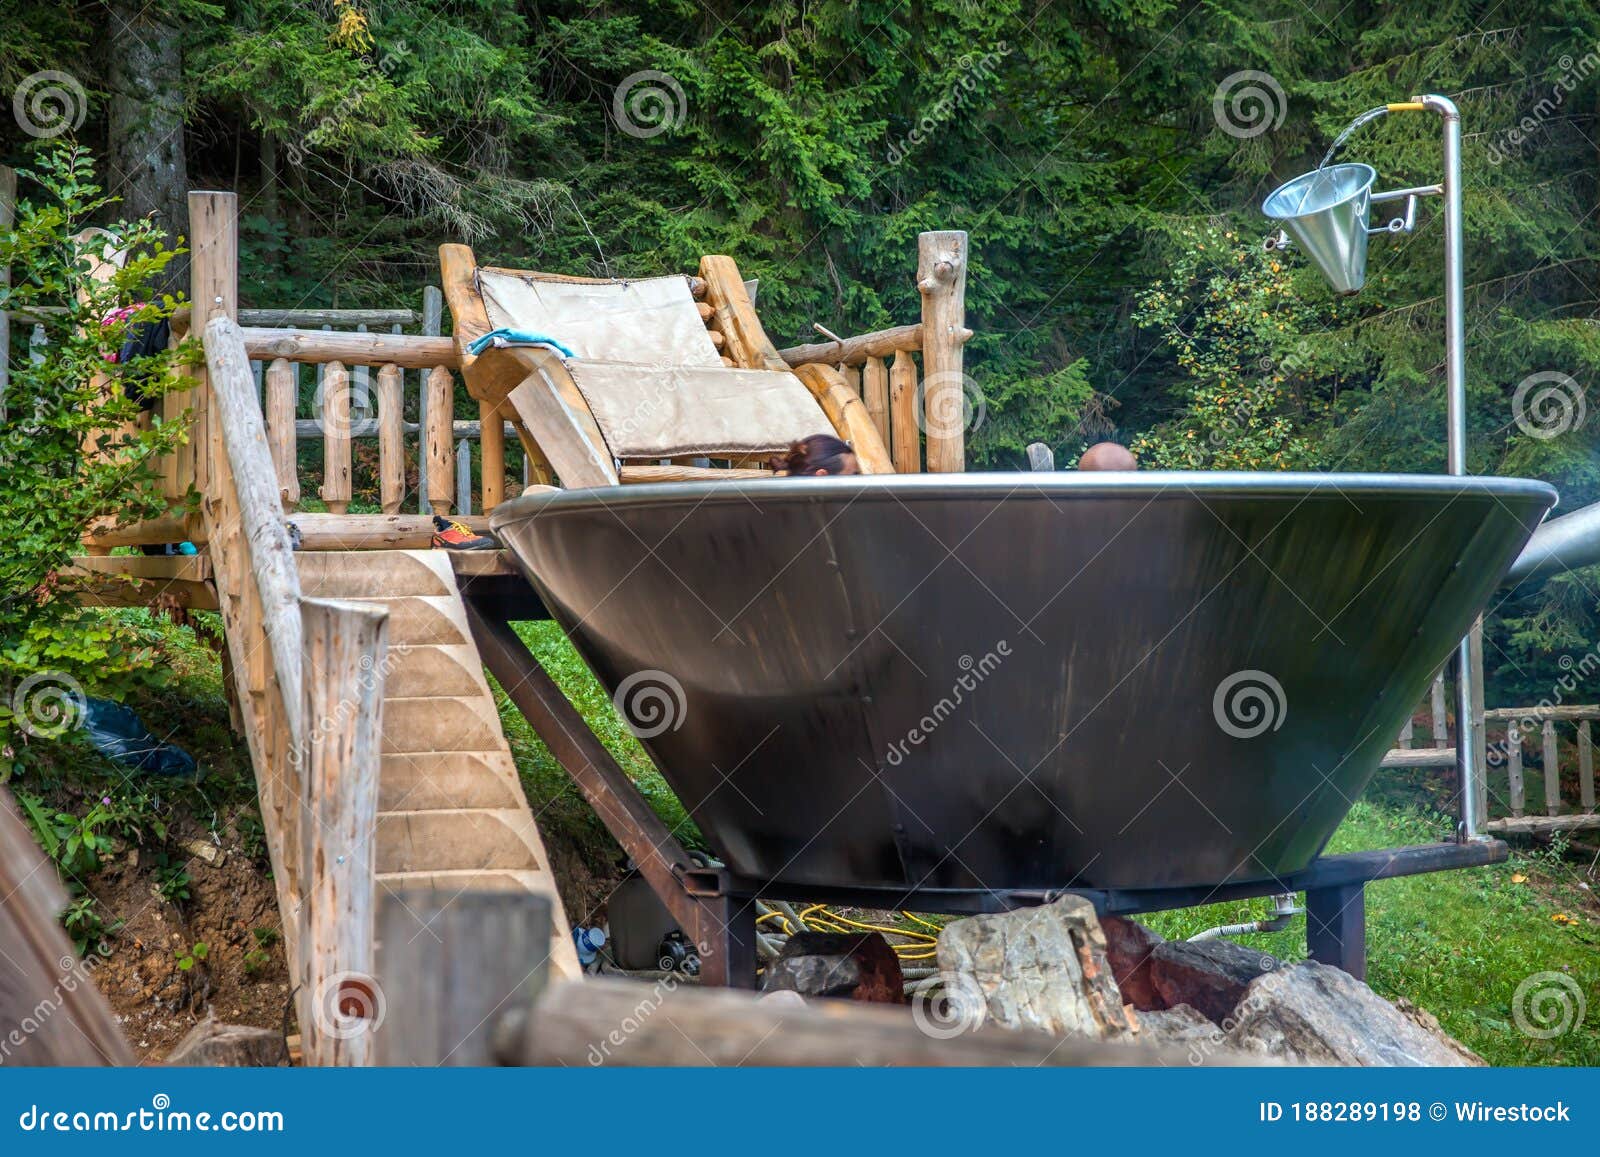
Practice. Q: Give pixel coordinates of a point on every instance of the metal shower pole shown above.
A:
(1455, 373)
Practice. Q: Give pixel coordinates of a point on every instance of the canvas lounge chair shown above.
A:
(636, 372)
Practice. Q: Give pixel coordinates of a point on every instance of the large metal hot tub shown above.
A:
(1021, 681)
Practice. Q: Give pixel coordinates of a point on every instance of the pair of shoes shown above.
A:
(451, 535)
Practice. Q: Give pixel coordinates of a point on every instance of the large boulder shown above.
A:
(860, 966)
(1315, 1014)
(1130, 949)
(1042, 968)
(1211, 975)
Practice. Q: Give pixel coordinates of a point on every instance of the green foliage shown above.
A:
(172, 879)
(196, 953)
(71, 448)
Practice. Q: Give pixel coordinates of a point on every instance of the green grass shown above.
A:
(1456, 943)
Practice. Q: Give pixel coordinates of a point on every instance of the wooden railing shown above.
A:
(1519, 724)
(882, 366)
(298, 663)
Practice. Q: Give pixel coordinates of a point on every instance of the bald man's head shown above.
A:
(1107, 456)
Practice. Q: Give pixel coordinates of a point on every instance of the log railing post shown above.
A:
(279, 408)
(438, 435)
(492, 451)
(213, 292)
(391, 440)
(942, 281)
(459, 971)
(906, 448)
(875, 393)
(432, 322)
(344, 663)
(464, 476)
(335, 418)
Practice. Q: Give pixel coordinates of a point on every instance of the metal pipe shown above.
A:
(1561, 544)
(1455, 351)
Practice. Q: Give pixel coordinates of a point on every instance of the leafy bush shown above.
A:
(76, 450)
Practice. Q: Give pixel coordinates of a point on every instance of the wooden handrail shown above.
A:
(853, 351)
(317, 346)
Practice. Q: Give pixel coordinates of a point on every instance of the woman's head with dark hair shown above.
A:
(818, 454)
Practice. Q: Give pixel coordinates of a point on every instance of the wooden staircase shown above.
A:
(451, 811)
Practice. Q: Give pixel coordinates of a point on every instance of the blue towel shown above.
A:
(517, 337)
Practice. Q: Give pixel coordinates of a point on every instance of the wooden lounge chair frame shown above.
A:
(532, 388)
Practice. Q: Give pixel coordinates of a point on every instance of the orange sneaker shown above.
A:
(451, 535)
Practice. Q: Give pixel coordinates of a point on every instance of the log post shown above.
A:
(1441, 729)
(438, 438)
(875, 393)
(345, 656)
(942, 281)
(458, 969)
(1585, 766)
(1552, 770)
(906, 438)
(1514, 783)
(213, 292)
(47, 989)
(391, 440)
(492, 451)
(280, 390)
(336, 437)
(463, 477)
(1041, 457)
(432, 322)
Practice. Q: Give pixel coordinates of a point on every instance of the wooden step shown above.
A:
(423, 620)
(432, 780)
(477, 839)
(426, 671)
(441, 724)
(470, 880)
(364, 574)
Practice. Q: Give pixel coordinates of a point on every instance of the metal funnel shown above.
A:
(1325, 211)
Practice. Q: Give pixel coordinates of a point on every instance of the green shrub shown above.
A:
(75, 450)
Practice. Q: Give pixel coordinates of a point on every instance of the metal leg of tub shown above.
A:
(727, 942)
(1336, 927)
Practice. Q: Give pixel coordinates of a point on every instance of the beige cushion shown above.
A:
(646, 366)
(649, 321)
(654, 411)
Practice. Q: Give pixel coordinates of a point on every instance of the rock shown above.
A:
(205, 850)
(1180, 1024)
(860, 966)
(1320, 1015)
(1042, 968)
(1429, 1023)
(1211, 975)
(213, 1045)
(1129, 949)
